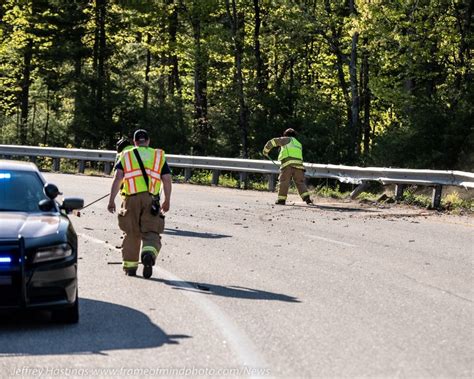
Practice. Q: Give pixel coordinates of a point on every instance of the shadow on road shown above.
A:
(187, 233)
(102, 326)
(230, 291)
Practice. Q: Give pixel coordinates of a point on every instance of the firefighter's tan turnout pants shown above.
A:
(286, 174)
(140, 228)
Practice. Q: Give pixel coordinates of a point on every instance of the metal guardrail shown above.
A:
(346, 174)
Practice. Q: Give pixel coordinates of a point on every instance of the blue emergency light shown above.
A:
(4, 259)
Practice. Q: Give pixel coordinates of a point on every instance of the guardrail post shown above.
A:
(82, 166)
(187, 174)
(271, 182)
(243, 183)
(56, 164)
(107, 168)
(359, 189)
(215, 177)
(436, 197)
(399, 189)
(32, 158)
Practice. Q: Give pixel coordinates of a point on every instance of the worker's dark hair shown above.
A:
(122, 143)
(289, 132)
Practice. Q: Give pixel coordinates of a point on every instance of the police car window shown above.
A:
(20, 191)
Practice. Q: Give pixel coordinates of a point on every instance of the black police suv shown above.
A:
(38, 245)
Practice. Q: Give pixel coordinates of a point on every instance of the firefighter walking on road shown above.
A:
(141, 170)
(291, 165)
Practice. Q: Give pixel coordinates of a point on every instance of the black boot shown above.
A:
(130, 272)
(148, 261)
(308, 200)
(280, 202)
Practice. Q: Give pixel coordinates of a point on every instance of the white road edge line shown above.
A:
(330, 240)
(239, 341)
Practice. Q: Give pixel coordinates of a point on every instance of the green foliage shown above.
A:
(411, 198)
(331, 191)
(453, 201)
(83, 73)
(368, 196)
(231, 180)
(201, 177)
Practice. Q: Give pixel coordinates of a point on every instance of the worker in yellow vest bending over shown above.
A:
(141, 171)
(291, 165)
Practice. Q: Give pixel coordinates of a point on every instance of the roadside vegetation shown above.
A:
(381, 83)
(454, 200)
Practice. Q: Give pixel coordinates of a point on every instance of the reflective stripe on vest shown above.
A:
(296, 163)
(133, 178)
(119, 155)
(292, 149)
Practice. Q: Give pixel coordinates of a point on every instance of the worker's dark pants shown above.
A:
(140, 228)
(297, 174)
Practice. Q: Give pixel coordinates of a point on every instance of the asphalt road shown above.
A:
(247, 288)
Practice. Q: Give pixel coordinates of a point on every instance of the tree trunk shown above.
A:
(343, 85)
(260, 69)
(238, 37)
(33, 121)
(102, 119)
(201, 123)
(463, 27)
(355, 108)
(95, 48)
(463, 22)
(46, 125)
(162, 78)
(291, 95)
(354, 124)
(366, 99)
(100, 73)
(78, 101)
(174, 83)
(335, 45)
(25, 92)
(17, 123)
(146, 87)
(351, 99)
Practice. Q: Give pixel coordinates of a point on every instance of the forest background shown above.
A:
(366, 82)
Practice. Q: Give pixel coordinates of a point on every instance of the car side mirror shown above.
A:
(51, 191)
(46, 205)
(71, 203)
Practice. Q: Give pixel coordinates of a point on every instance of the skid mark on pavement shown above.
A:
(443, 290)
(239, 341)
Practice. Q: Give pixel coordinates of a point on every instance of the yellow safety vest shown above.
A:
(291, 153)
(119, 155)
(133, 181)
